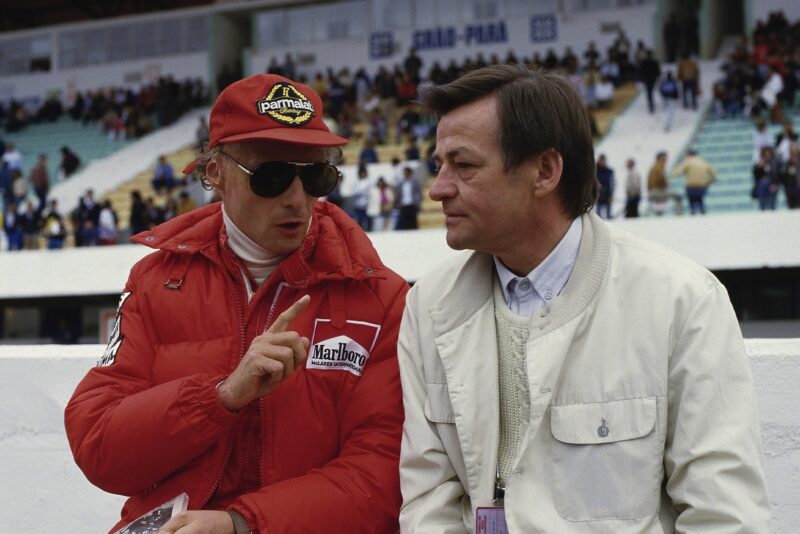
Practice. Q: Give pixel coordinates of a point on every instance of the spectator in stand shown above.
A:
(154, 214)
(591, 55)
(766, 180)
(649, 72)
(790, 176)
(185, 203)
(689, 76)
(761, 139)
(633, 190)
(5, 183)
(163, 177)
(40, 180)
(31, 224)
(412, 150)
(170, 210)
(784, 142)
(137, 222)
(12, 226)
(409, 200)
(107, 224)
(773, 86)
(19, 187)
(669, 93)
(88, 217)
(699, 176)
(605, 176)
(412, 64)
(604, 92)
(380, 205)
(610, 68)
(657, 187)
(13, 157)
(69, 163)
(54, 230)
(360, 198)
(368, 153)
(386, 87)
(406, 90)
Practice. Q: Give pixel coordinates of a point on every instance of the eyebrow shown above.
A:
(450, 153)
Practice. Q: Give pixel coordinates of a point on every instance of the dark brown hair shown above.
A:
(537, 111)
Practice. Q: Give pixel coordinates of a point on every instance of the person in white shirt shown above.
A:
(560, 374)
(13, 157)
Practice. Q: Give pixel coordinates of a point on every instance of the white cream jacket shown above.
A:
(642, 342)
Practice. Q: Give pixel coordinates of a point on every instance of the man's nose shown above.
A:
(295, 196)
(442, 186)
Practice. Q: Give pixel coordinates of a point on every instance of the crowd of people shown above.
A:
(121, 113)
(698, 175)
(763, 80)
(385, 100)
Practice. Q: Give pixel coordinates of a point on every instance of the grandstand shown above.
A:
(41, 290)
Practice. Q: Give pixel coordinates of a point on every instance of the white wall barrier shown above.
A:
(45, 492)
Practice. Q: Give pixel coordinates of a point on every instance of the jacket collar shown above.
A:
(471, 287)
(335, 247)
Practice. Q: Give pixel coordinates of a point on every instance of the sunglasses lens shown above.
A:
(319, 179)
(272, 178)
(275, 177)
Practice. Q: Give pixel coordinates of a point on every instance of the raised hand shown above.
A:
(271, 358)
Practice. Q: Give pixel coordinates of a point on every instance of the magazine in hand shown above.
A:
(156, 518)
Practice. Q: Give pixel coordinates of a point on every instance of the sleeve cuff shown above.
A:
(239, 524)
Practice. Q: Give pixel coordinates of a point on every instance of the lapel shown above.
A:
(464, 335)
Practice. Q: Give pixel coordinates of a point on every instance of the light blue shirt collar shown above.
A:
(525, 295)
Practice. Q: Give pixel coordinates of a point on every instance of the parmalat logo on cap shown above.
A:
(286, 105)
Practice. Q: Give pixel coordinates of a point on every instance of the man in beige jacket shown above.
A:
(561, 375)
(699, 175)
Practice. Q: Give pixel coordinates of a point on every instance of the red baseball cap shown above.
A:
(268, 107)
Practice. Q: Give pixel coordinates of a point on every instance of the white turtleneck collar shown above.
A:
(258, 261)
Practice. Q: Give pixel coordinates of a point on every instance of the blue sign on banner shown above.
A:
(381, 45)
(544, 28)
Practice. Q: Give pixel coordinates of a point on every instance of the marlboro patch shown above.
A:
(347, 349)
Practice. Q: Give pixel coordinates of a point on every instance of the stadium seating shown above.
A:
(88, 142)
(727, 144)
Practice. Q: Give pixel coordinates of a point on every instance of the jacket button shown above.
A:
(149, 238)
(602, 430)
(368, 270)
(182, 246)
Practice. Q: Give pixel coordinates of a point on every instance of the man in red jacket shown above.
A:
(253, 363)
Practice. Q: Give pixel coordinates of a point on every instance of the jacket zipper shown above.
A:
(270, 318)
(229, 447)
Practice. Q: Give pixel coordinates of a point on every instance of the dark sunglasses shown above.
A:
(273, 178)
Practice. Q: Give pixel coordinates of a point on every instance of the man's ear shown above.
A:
(214, 173)
(550, 166)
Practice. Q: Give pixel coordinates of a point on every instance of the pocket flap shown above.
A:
(603, 422)
(437, 406)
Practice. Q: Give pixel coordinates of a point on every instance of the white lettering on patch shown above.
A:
(342, 350)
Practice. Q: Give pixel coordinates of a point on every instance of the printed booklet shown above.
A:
(156, 518)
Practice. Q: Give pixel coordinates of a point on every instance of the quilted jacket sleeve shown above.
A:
(127, 434)
(357, 492)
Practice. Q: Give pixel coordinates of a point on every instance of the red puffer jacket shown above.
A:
(320, 453)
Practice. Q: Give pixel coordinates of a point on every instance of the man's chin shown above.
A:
(455, 241)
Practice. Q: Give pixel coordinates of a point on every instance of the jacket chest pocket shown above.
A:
(607, 459)
(437, 405)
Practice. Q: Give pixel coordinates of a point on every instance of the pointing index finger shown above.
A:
(285, 318)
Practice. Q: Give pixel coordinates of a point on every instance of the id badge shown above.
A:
(490, 520)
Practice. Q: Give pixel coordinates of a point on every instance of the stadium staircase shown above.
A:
(727, 144)
(87, 141)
